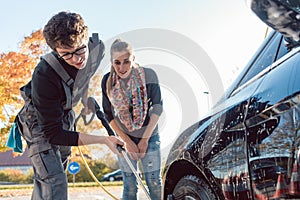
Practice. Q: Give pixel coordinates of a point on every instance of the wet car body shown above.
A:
(251, 132)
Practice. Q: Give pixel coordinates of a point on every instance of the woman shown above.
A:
(132, 102)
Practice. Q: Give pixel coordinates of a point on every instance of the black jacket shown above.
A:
(48, 97)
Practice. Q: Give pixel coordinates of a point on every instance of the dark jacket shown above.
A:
(48, 97)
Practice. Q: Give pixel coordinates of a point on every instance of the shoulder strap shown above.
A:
(55, 64)
(95, 46)
(95, 38)
(67, 80)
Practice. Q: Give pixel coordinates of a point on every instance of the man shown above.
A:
(52, 132)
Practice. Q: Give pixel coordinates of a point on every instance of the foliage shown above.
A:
(3, 137)
(98, 168)
(16, 69)
(16, 176)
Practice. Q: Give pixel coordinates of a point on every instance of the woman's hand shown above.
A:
(132, 150)
(143, 146)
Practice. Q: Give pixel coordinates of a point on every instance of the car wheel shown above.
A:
(191, 187)
(111, 179)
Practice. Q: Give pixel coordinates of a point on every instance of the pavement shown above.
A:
(77, 193)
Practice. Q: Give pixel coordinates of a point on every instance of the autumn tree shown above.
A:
(16, 69)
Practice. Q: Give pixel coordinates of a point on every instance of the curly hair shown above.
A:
(65, 29)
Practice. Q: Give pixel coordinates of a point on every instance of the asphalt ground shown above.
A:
(76, 193)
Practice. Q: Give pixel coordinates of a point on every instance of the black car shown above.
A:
(264, 170)
(247, 147)
(113, 176)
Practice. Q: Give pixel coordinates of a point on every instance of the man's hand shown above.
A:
(112, 142)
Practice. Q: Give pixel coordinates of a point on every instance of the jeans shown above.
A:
(151, 165)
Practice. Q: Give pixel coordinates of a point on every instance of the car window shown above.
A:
(283, 49)
(265, 59)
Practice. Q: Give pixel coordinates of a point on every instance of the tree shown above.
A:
(16, 69)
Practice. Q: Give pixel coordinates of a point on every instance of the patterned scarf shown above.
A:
(130, 100)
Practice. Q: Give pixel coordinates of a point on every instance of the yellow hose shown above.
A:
(93, 176)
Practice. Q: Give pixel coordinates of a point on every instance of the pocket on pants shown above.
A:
(47, 164)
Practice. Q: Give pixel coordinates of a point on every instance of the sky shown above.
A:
(227, 31)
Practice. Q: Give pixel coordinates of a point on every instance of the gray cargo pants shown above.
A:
(50, 179)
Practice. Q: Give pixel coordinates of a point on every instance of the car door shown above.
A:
(272, 125)
(227, 155)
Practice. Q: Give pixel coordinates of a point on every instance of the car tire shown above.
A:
(191, 187)
(111, 179)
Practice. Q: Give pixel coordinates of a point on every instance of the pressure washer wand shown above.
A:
(94, 106)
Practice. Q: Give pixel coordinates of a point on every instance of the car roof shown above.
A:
(114, 172)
